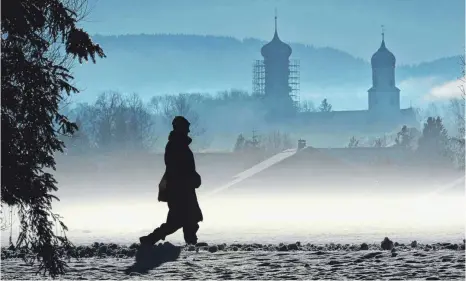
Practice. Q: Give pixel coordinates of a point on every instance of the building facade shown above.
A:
(276, 81)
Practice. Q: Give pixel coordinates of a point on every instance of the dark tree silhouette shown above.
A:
(325, 106)
(380, 142)
(255, 142)
(407, 137)
(239, 145)
(404, 137)
(34, 80)
(434, 140)
(353, 142)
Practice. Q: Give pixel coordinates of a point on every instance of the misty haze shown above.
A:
(302, 141)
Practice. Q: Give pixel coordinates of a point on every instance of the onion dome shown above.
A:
(383, 57)
(276, 47)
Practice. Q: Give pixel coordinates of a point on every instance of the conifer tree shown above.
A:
(38, 36)
(434, 139)
(239, 145)
(325, 106)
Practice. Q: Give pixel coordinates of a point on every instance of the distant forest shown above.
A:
(186, 63)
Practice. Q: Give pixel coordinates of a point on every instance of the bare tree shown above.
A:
(457, 106)
(182, 105)
(107, 109)
(270, 143)
(307, 106)
(380, 142)
(7, 221)
(233, 95)
(277, 141)
(140, 123)
(431, 110)
(88, 116)
(119, 122)
(156, 105)
(457, 109)
(3, 219)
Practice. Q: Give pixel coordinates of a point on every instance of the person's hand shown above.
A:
(163, 184)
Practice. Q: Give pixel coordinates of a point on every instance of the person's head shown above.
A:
(181, 124)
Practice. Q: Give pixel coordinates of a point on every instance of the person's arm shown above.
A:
(196, 178)
(169, 162)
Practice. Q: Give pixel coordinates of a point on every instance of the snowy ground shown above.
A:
(260, 220)
(349, 218)
(255, 261)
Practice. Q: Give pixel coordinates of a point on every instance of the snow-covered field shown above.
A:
(270, 220)
(317, 220)
(295, 261)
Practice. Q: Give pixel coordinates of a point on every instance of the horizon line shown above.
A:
(307, 45)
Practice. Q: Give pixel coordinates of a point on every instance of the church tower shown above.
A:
(384, 96)
(277, 89)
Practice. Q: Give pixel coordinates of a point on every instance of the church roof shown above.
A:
(276, 47)
(383, 57)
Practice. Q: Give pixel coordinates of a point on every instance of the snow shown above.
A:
(168, 262)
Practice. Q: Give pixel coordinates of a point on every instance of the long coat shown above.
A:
(182, 180)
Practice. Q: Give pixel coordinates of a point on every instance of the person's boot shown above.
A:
(152, 238)
(190, 239)
(190, 236)
(148, 239)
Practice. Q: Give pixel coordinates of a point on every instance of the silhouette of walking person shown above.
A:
(178, 187)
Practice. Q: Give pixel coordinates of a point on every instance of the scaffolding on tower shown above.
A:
(294, 81)
(258, 78)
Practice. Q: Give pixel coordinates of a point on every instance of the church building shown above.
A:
(275, 78)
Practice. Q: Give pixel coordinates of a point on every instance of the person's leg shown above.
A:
(190, 231)
(165, 229)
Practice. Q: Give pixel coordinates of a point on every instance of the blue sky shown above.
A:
(416, 30)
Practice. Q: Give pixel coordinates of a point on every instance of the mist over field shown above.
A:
(357, 190)
(319, 202)
(319, 140)
(272, 219)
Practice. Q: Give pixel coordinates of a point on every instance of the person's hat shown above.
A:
(180, 121)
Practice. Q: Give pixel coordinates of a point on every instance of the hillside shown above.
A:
(158, 64)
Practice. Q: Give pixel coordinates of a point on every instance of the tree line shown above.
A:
(116, 121)
(434, 139)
